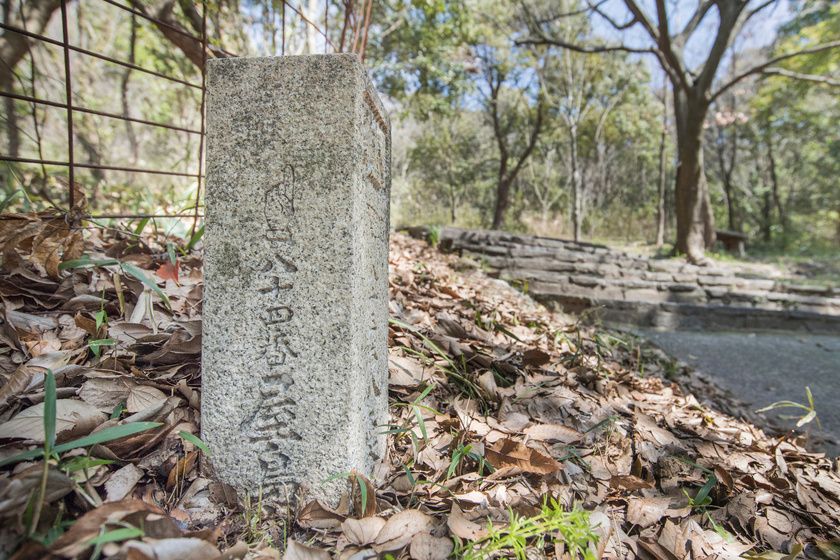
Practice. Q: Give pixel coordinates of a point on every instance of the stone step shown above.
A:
(557, 270)
(684, 316)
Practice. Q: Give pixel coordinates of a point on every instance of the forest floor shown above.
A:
(514, 433)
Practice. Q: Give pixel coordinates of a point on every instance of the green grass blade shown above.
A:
(108, 434)
(421, 423)
(704, 491)
(81, 263)
(116, 535)
(196, 237)
(138, 274)
(49, 413)
(31, 454)
(139, 229)
(170, 249)
(339, 475)
(195, 441)
(363, 492)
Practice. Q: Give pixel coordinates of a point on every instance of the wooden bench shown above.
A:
(732, 240)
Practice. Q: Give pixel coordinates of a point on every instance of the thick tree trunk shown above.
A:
(502, 201)
(13, 46)
(774, 181)
(577, 195)
(660, 201)
(695, 221)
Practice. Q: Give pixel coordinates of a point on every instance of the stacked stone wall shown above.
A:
(643, 292)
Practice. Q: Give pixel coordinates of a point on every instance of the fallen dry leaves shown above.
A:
(498, 407)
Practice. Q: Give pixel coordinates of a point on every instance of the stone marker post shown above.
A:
(294, 356)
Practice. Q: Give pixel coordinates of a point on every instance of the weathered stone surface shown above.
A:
(296, 270)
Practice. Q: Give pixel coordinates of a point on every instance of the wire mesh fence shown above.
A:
(64, 121)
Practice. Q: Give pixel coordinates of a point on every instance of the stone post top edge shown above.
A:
(353, 59)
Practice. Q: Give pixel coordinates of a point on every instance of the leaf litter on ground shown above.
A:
(513, 432)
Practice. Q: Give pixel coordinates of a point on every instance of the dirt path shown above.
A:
(765, 368)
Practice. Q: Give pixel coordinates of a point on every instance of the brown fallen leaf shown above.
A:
(181, 468)
(15, 492)
(24, 379)
(553, 433)
(399, 530)
(426, 547)
(297, 551)
(370, 495)
(73, 419)
(316, 515)
(363, 532)
(172, 549)
(510, 453)
(462, 527)
(141, 397)
(404, 372)
(122, 482)
(629, 482)
(644, 512)
(74, 541)
(535, 357)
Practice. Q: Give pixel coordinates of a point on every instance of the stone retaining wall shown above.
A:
(637, 291)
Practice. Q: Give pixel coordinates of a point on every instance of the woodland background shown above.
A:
(499, 119)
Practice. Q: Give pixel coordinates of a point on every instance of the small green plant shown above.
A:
(702, 499)
(809, 416)
(415, 408)
(256, 528)
(434, 235)
(463, 452)
(458, 375)
(552, 524)
(126, 267)
(363, 490)
(51, 453)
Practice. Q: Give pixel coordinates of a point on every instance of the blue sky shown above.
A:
(760, 31)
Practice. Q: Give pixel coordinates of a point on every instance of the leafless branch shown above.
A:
(759, 8)
(771, 62)
(618, 26)
(825, 80)
(593, 49)
(682, 38)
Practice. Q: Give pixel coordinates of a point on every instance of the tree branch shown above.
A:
(771, 62)
(618, 26)
(731, 20)
(682, 38)
(594, 49)
(825, 80)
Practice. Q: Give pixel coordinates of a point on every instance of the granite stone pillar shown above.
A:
(294, 361)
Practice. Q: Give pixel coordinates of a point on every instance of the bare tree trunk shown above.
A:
(766, 207)
(13, 46)
(726, 170)
(311, 10)
(129, 126)
(577, 195)
(695, 221)
(774, 182)
(12, 129)
(660, 200)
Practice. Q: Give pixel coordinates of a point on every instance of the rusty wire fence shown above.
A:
(64, 97)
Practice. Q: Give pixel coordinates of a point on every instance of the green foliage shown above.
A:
(552, 524)
(419, 54)
(50, 452)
